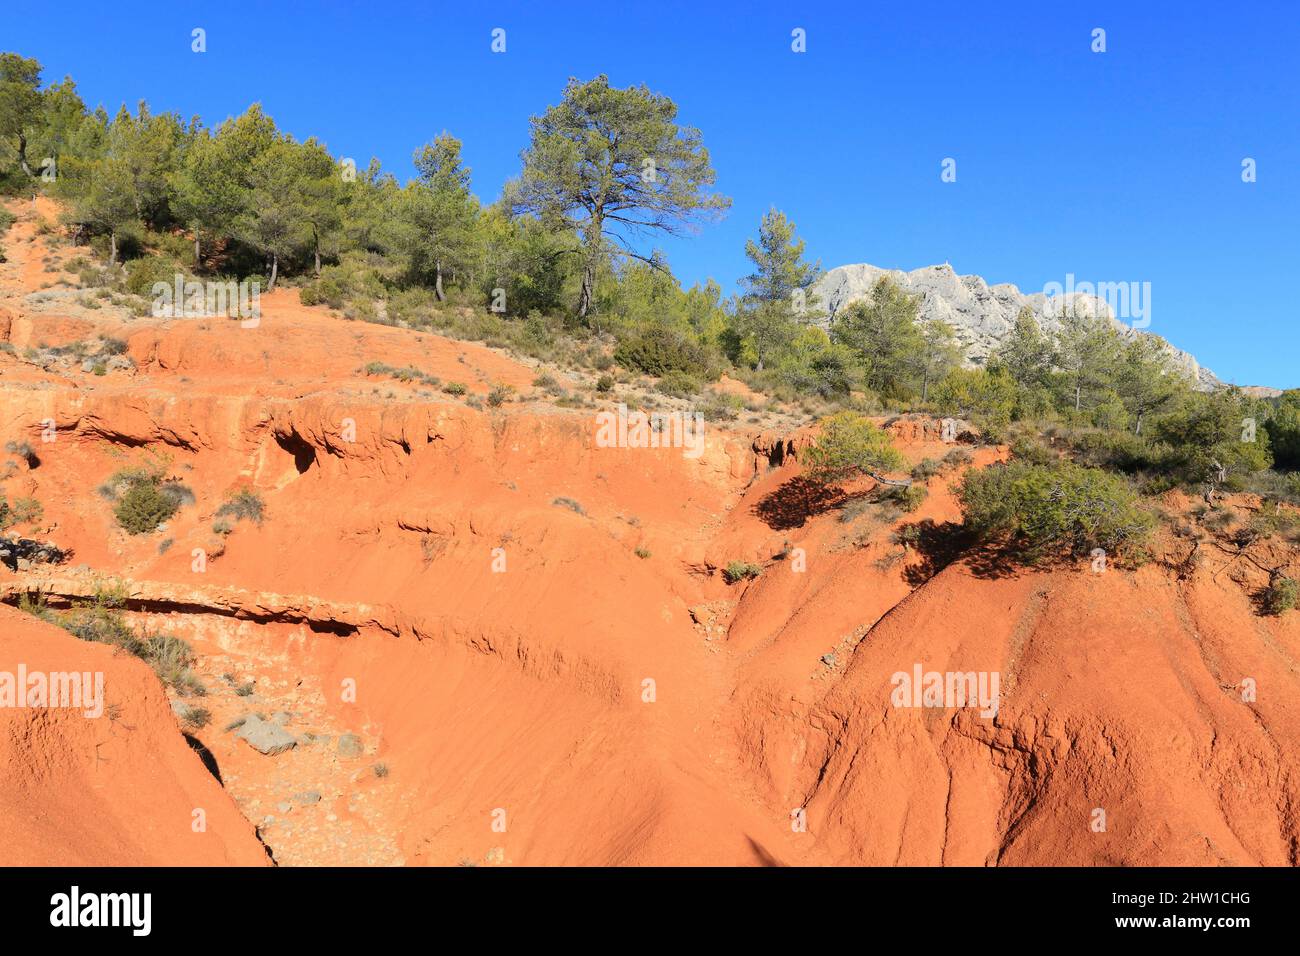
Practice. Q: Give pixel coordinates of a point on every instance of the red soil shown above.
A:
(509, 708)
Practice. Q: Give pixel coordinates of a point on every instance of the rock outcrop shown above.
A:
(981, 314)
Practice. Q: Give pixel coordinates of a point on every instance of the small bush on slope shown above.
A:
(245, 504)
(144, 507)
(738, 570)
(658, 351)
(851, 445)
(1054, 508)
(1282, 595)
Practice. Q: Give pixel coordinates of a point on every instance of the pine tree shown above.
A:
(1087, 351)
(322, 202)
(777, 292)
(1144, 379)
(20, 104)
(883, 332)
(940, 354)
(1025, 354)
(439, 213)
(612, 164)
(274, 221)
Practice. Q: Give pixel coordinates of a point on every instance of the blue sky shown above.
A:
(1115, 166)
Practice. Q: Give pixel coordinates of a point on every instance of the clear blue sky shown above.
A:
(1120, 166)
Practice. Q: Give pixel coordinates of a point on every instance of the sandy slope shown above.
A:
(117, 789)
(510, 707)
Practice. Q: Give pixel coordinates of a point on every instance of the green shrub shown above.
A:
(1219, 519)
(679, 384)
(22, 511)
(957, 458)
(657, 351)
(571, 504)
(908, 535)
(854, 509)
(605, 384)
(22, 449)
(1282, 595)
(172, 659)
(144, 506)
(1284, 429)
(925, 469)
(739, 570)
(1028, 448)
(850, 445)
(27, 511)
(1207, 439)
(987, 397)
(100, 619)
(454, 388)
(141, 274)
(196, 718)
(414, 306)
(169, 654)
(1047, 508)
(908, 498)
(1271, 519)
(244, 505)
(103, 624)
(719, 407)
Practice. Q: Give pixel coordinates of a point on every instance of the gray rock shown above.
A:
(180, 708)
(120, 363)
(265, 737)
(982, 315)
(282, 718)
(306, 797)
(350, 746)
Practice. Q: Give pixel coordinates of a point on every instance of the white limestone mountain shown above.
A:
(981, 314)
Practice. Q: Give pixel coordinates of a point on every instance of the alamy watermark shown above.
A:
(950, 689)
(198, 300)
(621, 429)
(1128, 301)
(74, 690)
(74, 908)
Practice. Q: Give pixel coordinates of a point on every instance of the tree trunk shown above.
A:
(588, 280)
(1078, 395)
(112, 248)
(437, 281)
(316, 236)
(198, 249)
(1138, 430)
(592, 241)
(275, 270)
(22, 155)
